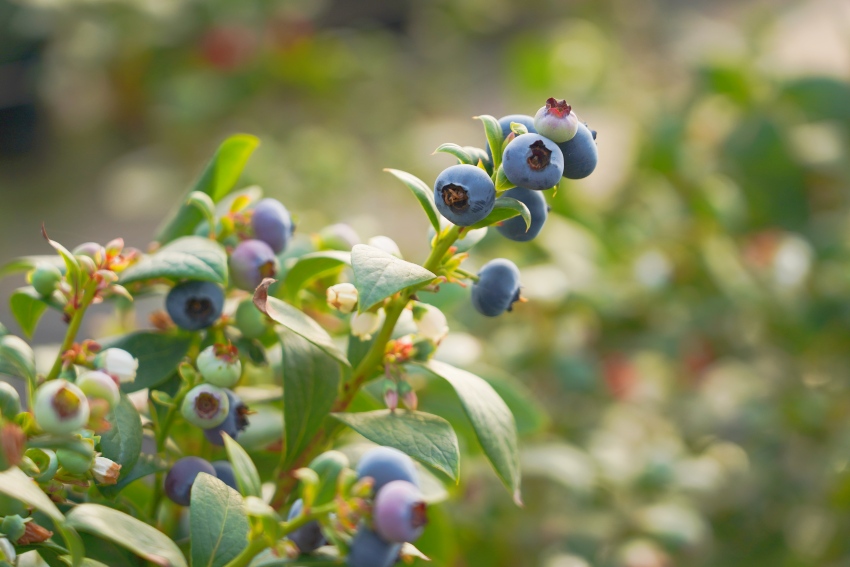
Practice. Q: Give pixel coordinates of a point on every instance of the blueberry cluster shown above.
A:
(266, 231)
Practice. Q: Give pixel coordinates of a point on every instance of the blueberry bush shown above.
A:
(158, 445)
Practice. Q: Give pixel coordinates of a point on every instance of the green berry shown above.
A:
(60, 407)
(205, 406)
(250, 321)
(45, 277)
(219, 365)
(10, 401)
(79, 460)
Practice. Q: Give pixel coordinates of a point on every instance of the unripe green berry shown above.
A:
(205, 406)
(46, 461)
(10, 401)
(100, 386)
(220, 365)
(77, 461)
(60, 407)
(250, 321)
(45, 277)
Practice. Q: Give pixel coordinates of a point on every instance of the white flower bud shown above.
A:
(7, 551)
(430, 322)
(342, 297)
(363, 325)
(386, 244)
(105, 471)
(118, 363)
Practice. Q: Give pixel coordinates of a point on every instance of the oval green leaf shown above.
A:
(244, 469)
(461, 154)
(505, 209)
(16, 484)
(126, 531)
(310, 267)
(423, 194)
(494, 137)
(490, 418)
(217, 523)
(187, 258)
(27, 305)
(122, 442)
(427, 438)
(379, 274)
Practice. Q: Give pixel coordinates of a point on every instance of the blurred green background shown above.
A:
(680, 374)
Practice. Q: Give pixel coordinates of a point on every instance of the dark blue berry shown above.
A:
(533, 161)
(224, 472)
(309, 536)
(505, 123)
(497, 287)
(384, 465)
(195, 305)
(251, 262)
(272, 224)
(181, 477)
(580, 154)
(514, 228)
(464, 194)
(235, 422)
(369, 550)
(399, 514)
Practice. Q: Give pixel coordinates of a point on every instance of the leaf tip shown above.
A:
(518, 499)
(261, 294)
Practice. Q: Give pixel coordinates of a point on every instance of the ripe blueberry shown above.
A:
(580, 154)
(309, 536)
(556, 120)
(497, 287)
(533, 162)
(206, 406)
(181, 477)
(272, 224)
(369, 550)
(235, 422)
(505, 123)
(464, 194)
(60, 407)
(399, 513)
(219, 365)
(514, 228)
(384, 465)
(195, 305)
(224, 472)
(251, 262)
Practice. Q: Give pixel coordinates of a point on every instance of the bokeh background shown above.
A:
(680, 375)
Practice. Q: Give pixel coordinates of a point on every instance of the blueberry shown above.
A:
(224, 472)
(251, 262)
(514, 228)
(505, 123)
(533, 161)
(181, 477)
(309, 536)
(60, 407)
(195, 305)
(399, 512)
(206, 406)
(464, 194)
(497, 287)
(235, 422)
(369, 550)
(384, 465)
(556, 120)
(580, 154)
(272, 224)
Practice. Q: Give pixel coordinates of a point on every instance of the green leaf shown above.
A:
(27, 263)
(502, 181)
(73, 543)
(425, 437)
(311, 267)
(145, 465)
(247, 477)
(126, 531)
(187, 258)
(14, 483)
(265, 427)
(505, 209)
(158, 354)
(17, 358)
(296, 321)
(72, 266)
(490, 417)
(310, 386)
(423, 194)
(27, 305)
(217, 523)
(378, 275)
(494, 138)
(328, 466)
(461, 154)
(122, 442)
(218, 179)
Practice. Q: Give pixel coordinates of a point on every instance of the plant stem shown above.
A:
(73, 328)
